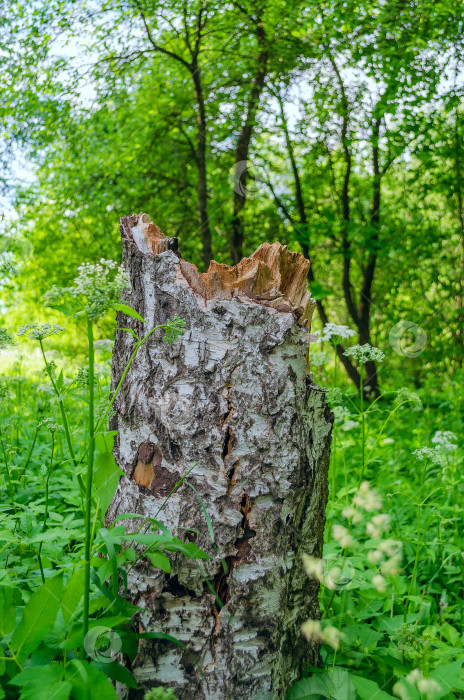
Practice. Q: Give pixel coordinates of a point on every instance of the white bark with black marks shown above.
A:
(232, 394)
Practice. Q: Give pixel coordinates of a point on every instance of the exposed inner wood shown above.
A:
(272, 275)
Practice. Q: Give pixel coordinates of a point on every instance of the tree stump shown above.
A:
(233, 396)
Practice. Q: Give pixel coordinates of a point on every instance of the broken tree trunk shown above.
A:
(231, 396)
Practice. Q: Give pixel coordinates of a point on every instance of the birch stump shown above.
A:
(231, 395)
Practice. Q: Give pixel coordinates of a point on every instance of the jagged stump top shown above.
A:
(273, 275)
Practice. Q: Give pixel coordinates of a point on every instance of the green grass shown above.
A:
(391, 576)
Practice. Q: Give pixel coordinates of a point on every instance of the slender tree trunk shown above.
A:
(202, 188)
(233, 397)
(243, 145)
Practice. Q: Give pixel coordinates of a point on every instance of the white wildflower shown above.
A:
(404, 395)
(332, 636)
(351, 513)
(433, 454)
(387, 441)
(378, 525)
(414, 676)
(313, 567)
(366, 498)
(318, 359)
(334, 396)
(379, 583)
(341, 535)
(37, 331)
(390, 547)
(428, 686)
(312, 630)
(333, 331)
(374, 557)
(445, 440)
(104, 345)
(401, 691)
(340, 413)
(392, 566)
(365, 353)
(349, 425)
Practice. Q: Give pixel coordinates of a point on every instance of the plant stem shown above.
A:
(62, 409)
(44, 526)
(88, 487)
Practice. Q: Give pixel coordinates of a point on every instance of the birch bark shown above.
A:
(232, 396)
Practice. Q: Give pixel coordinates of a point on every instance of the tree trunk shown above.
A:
(231, 396)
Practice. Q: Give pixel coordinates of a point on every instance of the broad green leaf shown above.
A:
(43, 683)
(368, 690)
(38, 617)
(7, 609)
(129, 311)
(334, 684)
(117, 673)
(106, 473)
(59, 690)
(447, 676)
(72, 594)
(160, 560)
(88, 682)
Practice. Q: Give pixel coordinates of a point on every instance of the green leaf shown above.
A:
(43, 683)
(107, 473)
(159, 560)
(88, 682)
(129, 311)
(188, 549)
(38, 617)
(369, 690)
(7, 609)
(72, 594)
(447, 676)
(117, 673)
(334, 684)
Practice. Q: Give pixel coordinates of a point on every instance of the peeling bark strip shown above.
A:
(233, 395)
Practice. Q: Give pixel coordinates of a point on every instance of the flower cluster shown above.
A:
(6, 339)
(405, 395)
(335, 333)
(366, 498)
(318, 359)
(342, 536)
(103, 345)
(314, 632)
(365, 353)
(425, 686)
(431, 453)
(50, 425)
(100, 284)
(37, 331)
(445, 440)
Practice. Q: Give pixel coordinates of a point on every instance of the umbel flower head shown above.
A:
(365, 353)
(37, 331)
(335, 333)
(97, 286)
